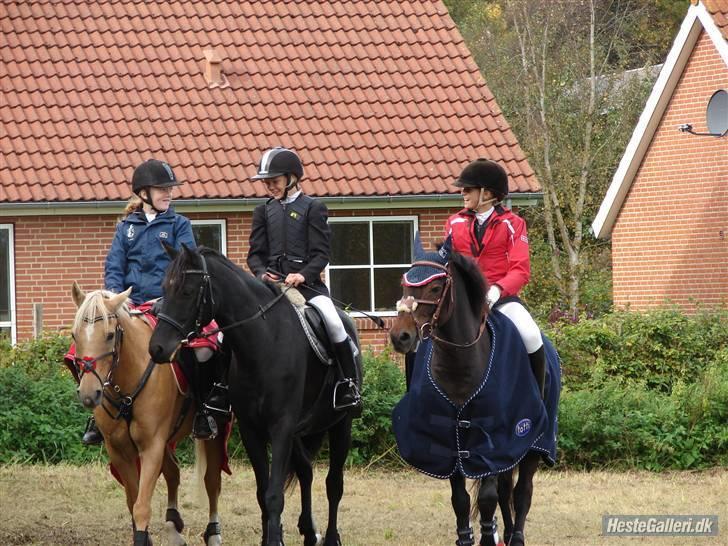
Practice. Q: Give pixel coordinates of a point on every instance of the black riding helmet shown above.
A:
(279, 161)
(484, 173)
(153, 173)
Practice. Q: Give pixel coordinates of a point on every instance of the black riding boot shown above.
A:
(346, 393)
(92, 435)
(204, 426)
(538, 367)
(218, 401)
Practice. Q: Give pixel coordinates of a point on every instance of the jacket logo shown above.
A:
(524, 238)
(130, 232)
(163, 235)
(523, 427)
(293, 214)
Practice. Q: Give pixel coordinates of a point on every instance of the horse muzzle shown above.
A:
(90, 398)
(403, 341)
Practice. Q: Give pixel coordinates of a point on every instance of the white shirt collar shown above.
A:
(291, 197)
(483, 216)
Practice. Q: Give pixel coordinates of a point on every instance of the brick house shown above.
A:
(666, 210)
(381, 99)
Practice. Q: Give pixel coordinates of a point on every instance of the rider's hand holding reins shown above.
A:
(295, 279)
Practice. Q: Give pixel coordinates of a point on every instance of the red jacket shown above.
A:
(502, 253)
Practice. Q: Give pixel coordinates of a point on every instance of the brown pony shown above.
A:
(140, 411)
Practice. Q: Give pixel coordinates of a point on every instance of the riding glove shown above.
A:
(494, 293)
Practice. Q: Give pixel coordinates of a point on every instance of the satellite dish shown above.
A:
(717, 112)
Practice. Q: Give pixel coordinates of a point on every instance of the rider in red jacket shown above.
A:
(498, 241)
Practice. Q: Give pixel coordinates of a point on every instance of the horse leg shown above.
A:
(522, 495)
(487, 503)
(124, 461)
(214, 452)
(151, 456)
(461, 505)
(281, 445)
(505, 489)
(255, 446)
(173, 520)
(339, 443)
(304, 472)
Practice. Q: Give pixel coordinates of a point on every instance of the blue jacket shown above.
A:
(137, 258)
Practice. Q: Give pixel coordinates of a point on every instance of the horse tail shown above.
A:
(302, 454)
(200, 470)
(474, 493)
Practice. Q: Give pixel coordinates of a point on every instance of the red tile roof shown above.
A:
(378, 97)
(719, 10)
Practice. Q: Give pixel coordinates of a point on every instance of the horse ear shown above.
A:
(419, 249)
(114, 302)
(78, 295)
(169, 249)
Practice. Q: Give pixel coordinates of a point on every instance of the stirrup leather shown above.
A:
(349, 383)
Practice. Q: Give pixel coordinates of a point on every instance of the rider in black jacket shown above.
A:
(289, 242)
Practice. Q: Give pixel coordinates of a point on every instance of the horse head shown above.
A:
(188, 302)
(436, 286)
(97, 334)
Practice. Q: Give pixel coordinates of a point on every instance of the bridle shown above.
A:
(87, 364)
(205, 295)
(441, 314)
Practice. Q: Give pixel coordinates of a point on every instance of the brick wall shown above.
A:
(670, 240)
(52, 252)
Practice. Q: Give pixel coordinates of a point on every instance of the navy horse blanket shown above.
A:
(503, 419)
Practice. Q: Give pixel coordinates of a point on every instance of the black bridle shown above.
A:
(441, 313)
(205, 296)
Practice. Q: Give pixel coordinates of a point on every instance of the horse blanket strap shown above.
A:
(503, 419)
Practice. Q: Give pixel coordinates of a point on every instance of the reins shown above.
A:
(203, 291)
(434, 321)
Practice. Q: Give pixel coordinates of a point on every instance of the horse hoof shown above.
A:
(314, 540)
(332, 540)
(173, 516)
(517, 539)
(173, 536)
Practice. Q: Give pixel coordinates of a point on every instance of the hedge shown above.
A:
(645, 391)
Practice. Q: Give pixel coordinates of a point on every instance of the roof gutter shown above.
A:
(246, 204)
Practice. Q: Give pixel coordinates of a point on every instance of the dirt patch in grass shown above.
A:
(65, 505)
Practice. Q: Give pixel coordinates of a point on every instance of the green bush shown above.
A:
(372, 436)
(659, 348)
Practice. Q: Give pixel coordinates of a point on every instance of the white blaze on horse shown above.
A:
(140, 411)
(473, 408)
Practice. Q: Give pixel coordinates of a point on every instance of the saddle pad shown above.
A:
(504, 418)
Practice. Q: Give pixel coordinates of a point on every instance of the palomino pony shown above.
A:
(281, 393)
(473, 409)
(140, 411)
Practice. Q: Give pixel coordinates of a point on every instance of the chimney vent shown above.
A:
(213, 69)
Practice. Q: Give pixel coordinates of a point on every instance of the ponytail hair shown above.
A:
(133, 205)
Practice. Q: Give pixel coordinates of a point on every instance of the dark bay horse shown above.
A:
(281, 393)
(459, 385)
(140, 411)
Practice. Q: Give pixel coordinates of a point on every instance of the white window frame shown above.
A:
(11, 276)
(223, 230)
(371, 266)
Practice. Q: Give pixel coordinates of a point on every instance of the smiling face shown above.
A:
(276, 186)
(473, 201)
(161, 197)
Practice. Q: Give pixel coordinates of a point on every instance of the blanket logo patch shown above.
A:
(523, 427)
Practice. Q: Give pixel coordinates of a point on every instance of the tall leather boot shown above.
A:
(538, 367)
(204, 426)
(346, 392)
(218, 401)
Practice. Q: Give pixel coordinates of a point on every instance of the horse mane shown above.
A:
(475, 285)
(93, 307)
(180, 264)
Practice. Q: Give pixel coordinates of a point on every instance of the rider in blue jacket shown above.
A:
(138, 260)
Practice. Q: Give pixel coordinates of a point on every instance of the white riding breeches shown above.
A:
(334, 326)
(526, 326)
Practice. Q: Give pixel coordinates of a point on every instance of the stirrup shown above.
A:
(92, 435)
(211, 426)
(349, 383)
(222, 401)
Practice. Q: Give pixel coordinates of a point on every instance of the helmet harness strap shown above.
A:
(148, 201)
(290, 182)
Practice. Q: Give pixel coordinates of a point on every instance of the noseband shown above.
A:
(439, 317)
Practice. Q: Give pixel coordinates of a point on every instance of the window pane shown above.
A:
(349, 243)
(4, 275)
(209, 235)
(5, 332)
(387, 288)
(393, 242)
(351, 286)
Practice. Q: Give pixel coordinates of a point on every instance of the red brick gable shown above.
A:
(378, 97)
